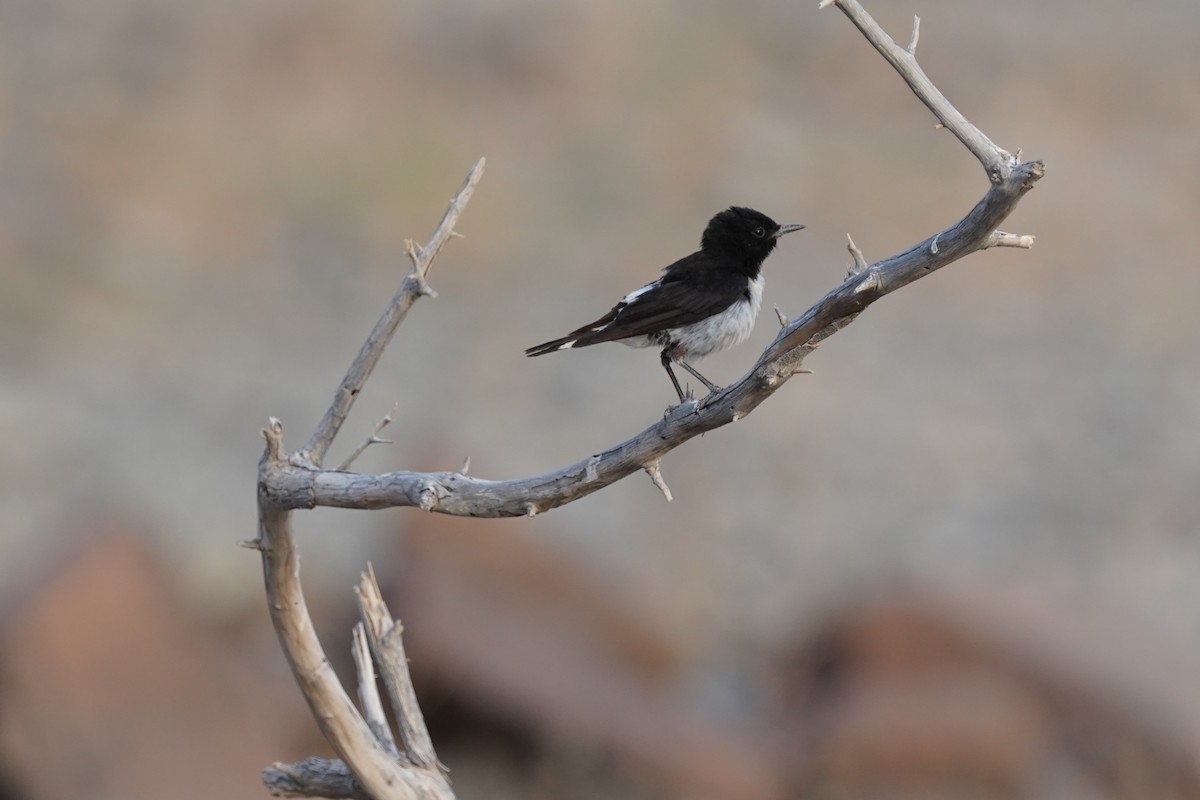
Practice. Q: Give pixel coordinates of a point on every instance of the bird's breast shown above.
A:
(723, 329)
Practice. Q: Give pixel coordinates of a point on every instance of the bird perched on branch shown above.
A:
(703, 303)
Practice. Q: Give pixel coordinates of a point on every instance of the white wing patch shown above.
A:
(636, 293)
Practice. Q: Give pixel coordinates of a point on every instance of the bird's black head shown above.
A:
(743, 235)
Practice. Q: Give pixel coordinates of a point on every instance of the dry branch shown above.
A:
(368, 690)
(285, 484)
(313, 777)
(300, 486)
(388, 419)
(413, 287)
(366, 747)
(387, 646)
(380, 773)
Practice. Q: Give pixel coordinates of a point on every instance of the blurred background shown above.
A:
(960, 560)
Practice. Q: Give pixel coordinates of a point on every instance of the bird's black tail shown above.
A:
(551, 346)
(599, 331)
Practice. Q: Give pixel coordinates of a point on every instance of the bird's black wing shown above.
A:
(672, 304)
(689, 290)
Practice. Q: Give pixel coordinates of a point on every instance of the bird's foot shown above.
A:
(686, 398)
(689, 403)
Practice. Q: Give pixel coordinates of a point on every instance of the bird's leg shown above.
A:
(712, 387)
(666, 362)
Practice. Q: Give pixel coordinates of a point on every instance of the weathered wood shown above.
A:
(298, 482)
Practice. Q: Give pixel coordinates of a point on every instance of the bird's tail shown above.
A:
(552, 346)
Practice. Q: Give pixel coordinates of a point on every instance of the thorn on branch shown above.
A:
(860, 263)
(530, 510)
(251, 544)
(466, 465)
(1002, 239)
(423, 287)
(656, 477)
(783, 320)
(933, 246)
(416, 255)
(413, 251)
(868, 283)
(916, 34)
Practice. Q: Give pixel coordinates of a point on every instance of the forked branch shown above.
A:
(365, 745)
(300, 486)
(295, 482)
(413, 287)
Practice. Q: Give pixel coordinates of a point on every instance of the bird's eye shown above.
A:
(760, 231)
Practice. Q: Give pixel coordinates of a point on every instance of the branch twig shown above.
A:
(383, 635)
(413, 287)
(916, 35)
(905, 62)
(655, 473)
(368, 691)
(388, 419)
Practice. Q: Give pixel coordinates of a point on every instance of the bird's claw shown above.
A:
(688, 400)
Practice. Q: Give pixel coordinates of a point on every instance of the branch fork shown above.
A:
(374, 763)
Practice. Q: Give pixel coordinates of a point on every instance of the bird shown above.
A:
(701, 304)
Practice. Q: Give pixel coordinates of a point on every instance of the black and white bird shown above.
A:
(703, 303)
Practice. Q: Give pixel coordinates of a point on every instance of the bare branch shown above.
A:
(413, 286)
(299, 482)
(313, 777)
(368, 691)
(995, 160)
(387, 646)
(380, 773)
(388, 419)
(298, 486)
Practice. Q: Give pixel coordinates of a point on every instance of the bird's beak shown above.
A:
(787, 229)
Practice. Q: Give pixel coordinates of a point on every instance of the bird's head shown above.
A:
(743, 233)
